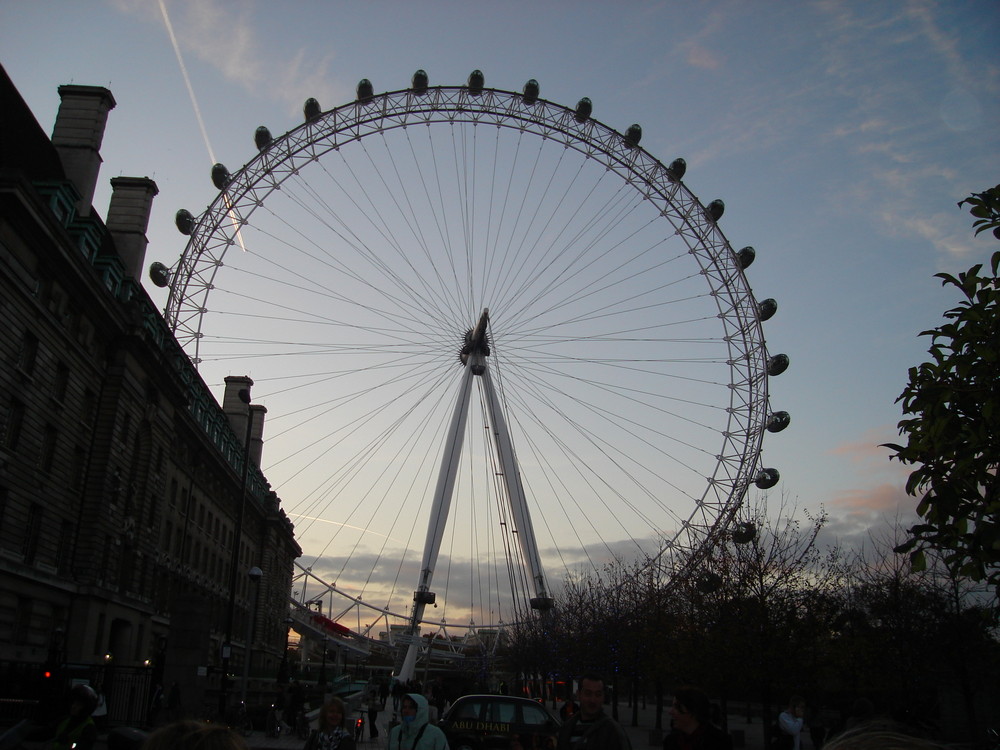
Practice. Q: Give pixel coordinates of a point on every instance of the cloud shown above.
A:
(878, 503)
(699, 56)
(230, 38)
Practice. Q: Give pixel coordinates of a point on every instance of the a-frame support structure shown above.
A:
(473, 357)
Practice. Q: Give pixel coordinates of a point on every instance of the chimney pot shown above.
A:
(77, 137)
(128, 218)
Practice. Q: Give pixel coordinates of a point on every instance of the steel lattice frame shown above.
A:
(216, 230)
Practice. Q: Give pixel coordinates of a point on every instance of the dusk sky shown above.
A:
(840, 135)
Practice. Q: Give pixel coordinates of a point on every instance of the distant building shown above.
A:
(120, 475)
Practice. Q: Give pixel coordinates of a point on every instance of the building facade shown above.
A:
(123, 494)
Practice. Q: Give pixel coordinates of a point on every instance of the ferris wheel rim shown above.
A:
(217, 230)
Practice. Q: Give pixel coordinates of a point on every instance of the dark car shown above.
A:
(491, 722)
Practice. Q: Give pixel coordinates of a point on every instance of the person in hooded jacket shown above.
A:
(333, 732)
(415, 732)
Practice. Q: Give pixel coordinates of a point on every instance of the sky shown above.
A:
(840, 135)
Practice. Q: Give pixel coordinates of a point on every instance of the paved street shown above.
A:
(747, 735)
(752, 733)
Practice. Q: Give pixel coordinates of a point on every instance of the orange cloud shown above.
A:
(881, 498)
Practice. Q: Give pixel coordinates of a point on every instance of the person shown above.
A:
(415, 732)
(188, 734)
(790, 723)
(333, 732)
(374, 706)
(383, 692)
(397, 695)
(100, 714)
(692, 728)
(567, 709)
(75, 730)
(174, 702)
(296, 701)
(590, 728)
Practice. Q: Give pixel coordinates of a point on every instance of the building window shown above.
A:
(32, 533)
(22, 620)
(46, 456)
(4, 494)
(27, 354)
(99, 635)
(64, 552)
(61, 383)
(89, 406)
(79, 466)
(13, 425)
(126, 426)
(103, 569)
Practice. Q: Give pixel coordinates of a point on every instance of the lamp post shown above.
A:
(234, 560)
(283, 667)
(254, 574)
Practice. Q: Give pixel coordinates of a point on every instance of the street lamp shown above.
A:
(234, 560)
(283, 667)
(254, 574)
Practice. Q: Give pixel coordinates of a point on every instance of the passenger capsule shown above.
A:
(715, 209)
(365, 91)
(745, 257)
(184, 221)
(420, 82)
(766, 479)
(311, 109)
(583, 109)
(777, 364)
(531, 90)
(476, 82)
(778, 421)
(633, 135)
(677, 169)
(744, 533)
(262, 137)
(159, 274)
(766, 308)
(220, 176)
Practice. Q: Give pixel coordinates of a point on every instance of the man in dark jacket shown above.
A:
(690, 717)
(590, 728)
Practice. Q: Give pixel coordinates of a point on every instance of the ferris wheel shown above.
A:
(485, 316)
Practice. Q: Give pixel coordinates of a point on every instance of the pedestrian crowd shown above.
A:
(586, 725)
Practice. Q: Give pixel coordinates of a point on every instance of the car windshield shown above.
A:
(535, 715)
(502, 711)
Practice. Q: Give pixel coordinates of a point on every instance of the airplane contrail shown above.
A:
(187, 79)
(197, 110)
(345, 525)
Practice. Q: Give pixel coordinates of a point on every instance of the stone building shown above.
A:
(121, 477)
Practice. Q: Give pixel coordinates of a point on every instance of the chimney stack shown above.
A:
(78, 134)
(235, 408)
(257, 432)
(128, 218)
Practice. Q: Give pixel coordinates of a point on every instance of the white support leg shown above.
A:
(515, 496)
(439, 516)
